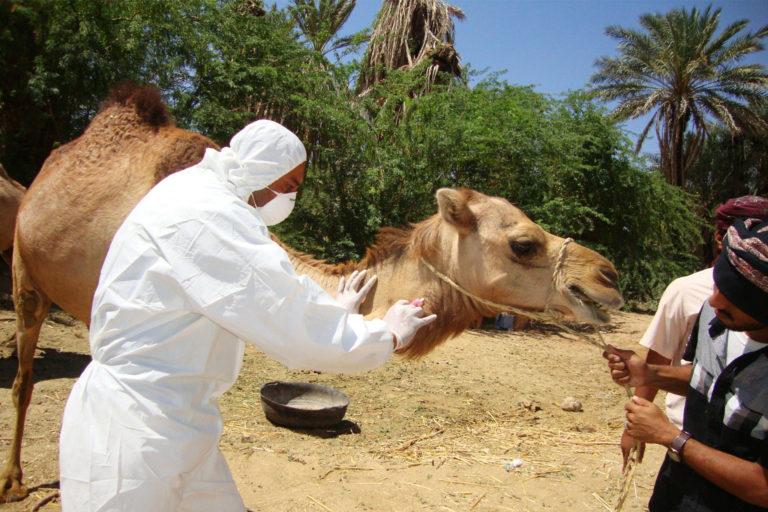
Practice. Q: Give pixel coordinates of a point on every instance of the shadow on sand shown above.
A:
(53, 364)
(538, 330)
(346, 427)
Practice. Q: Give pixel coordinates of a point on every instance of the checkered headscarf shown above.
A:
(741, 270)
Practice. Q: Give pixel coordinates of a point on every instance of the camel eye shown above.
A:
(522, 248)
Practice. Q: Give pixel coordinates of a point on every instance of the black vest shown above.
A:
(733, 420)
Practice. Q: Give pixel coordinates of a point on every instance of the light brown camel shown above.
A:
(492, 251)
(485, 244)
(11, 193)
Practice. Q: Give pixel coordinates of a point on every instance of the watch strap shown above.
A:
(676, 448)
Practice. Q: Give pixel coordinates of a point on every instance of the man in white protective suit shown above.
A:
(191, 275)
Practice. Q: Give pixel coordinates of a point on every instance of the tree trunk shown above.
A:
(672, 148)
(678, 135)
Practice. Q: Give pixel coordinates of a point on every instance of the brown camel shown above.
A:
(11, 193)
(492, 251)
(485, 244)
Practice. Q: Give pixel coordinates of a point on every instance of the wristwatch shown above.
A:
(675, 450)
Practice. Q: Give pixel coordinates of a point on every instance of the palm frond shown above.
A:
(407, 33)
(320, 22)
(644, 134)
(715, 47)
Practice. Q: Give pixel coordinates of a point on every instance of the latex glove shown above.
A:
(405, 319)
(350, 295)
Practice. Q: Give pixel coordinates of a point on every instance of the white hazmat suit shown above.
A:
(190, 275)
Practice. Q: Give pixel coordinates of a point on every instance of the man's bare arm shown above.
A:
(742, 478)
(674, 379)
(653, 357)
(746, 480)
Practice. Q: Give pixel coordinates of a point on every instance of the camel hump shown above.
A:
(145, 99)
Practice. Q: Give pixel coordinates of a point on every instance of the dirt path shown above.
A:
(431, 435)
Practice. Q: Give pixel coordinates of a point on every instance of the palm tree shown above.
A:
(730, 166)
(408, 33)
(685, 73)
(320, 22)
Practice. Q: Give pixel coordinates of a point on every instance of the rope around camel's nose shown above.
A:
(551, 316)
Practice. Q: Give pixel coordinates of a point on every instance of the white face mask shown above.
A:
(278, 209)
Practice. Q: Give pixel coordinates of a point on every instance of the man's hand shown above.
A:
(627, 442)
(647, 424)
(627, 368)
(350, 295)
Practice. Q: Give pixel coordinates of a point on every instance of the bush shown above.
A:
(374, 160)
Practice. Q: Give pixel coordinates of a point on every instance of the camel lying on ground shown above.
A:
(11, 193)
(484, 244)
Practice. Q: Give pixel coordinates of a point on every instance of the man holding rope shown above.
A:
(671, 326)
(719, 460)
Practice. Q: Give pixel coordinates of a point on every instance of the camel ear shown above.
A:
(453, 208)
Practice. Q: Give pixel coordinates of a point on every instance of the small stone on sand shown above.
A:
(570, 404)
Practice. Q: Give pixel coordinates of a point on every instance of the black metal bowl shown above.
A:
(303, 405)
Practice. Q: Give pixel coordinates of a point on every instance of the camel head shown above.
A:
(492, 249)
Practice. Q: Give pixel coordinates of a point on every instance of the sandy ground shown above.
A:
(432, 435)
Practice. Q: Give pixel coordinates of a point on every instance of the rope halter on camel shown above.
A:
(547, 315)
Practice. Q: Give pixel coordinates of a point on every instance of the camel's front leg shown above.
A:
(31, 307)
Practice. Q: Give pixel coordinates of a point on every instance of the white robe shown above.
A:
(189, 276)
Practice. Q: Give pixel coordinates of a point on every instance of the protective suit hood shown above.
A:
(257, 155)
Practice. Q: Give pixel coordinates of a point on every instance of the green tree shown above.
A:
(730, 166)
(680, 69)
(320, 21)
(565, 162)
(245, 67)
(374, 160)
(60, 57)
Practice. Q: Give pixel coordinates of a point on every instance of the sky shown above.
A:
(552, 44)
